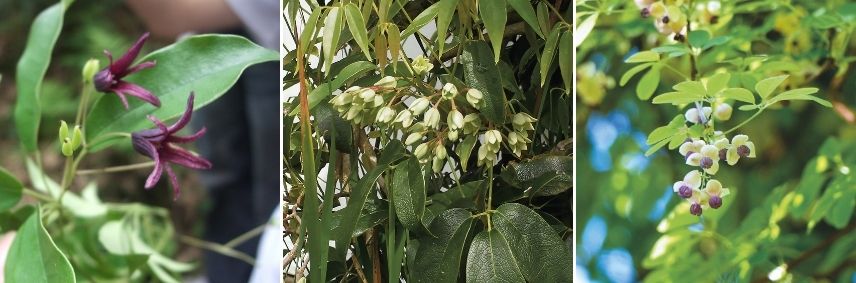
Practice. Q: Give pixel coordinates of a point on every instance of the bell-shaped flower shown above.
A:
(404, 118)
(449, 91)
(432, 118)
(455, 120)
(419, 105)
(740, 147)
(715, 191)
(474, 97)
(159, 144)
(110, 79)
(691, 181)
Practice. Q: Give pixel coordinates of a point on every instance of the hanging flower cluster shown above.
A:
(668, 18)
(158, 143)
(431, 120)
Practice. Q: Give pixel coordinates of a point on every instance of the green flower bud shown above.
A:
(353, 112)
(437, 165)
(413, 138)
(67, 148)
(474, 97)
(723, 112)
(76, 137)
(421, 65)
(419, 105)
(386, 82)
(378, 101)
(421, 150)
(90, 69)
(440, 152)
(432, 118)
(63, 131)
(449, 91)
(453, 135)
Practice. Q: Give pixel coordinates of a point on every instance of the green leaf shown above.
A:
(493, 15)
(10, 190)
(566, 63)
(698, 38)
(349, 73)
(525, 174)
(80, 207)
(632, 72)
(31, 70)
(357, 26)
(656, 146)
(648, 84)
(659, 134)
(642, 57)
(308, 34)
(800, 94)
(421, 20)
(351, 213)
(739, 94)
(439, 256)
(583, 29)
(408, 193)
(481, 73)
(207, 64)
(537, 248)
(393, 41)
(766, 86)
(693, 88)
(525, 10)
(549, 52)
(33, 256)
(490, 259)
(330, 37)
(677, 98)
(445, 11)
(465, 148)
(717, 82)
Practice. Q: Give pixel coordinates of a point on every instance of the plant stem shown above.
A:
(113, 169)
(36, 194)
(489, 196)
(218, 248)
(744, 121)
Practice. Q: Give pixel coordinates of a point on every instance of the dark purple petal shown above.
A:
(161, 126)
(180, 156)
(140, 67)
(104, 81)
(136, 91)
(174, 181)
(120, 67)
(185, 118)
(154, 177)
(144, 146)
(187, 139)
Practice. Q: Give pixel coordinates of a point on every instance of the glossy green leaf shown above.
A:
(10, 190)
(206, 64)
(393, 152)
(480, 72)
(438, 258)
(421, 20)
(537, 248)
(566, 63)
(33, 256)
(31, 70)
(800, 94)
(648, 84)
(643, 56)
(632, 72)
(739, 94)
(408, 193)
(445, 11)
(583, 29)
(490, 259)
(549, 53)
(526, 174)
(357, 26)
(493, 16)
(525, 10)
(465, 148)
(330, 36)
(766, 86)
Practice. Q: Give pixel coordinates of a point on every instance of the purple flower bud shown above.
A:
(685, 191)
(695, 209)
(706, 162)
(645, 12)
(723, 153)
(679, 37)
(665, 19)
(743, 150)
(715, 202)
(159, 144)
(110, 79)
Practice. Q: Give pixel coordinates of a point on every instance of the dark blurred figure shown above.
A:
(243, 125)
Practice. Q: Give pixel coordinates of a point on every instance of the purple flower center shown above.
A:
(715, 202)
(685, 191)
(104, 80)
(706, 162)
(695, 209)
(645, 12)
(689, 153)
(743, 150)
(666, 19)
(723, 153)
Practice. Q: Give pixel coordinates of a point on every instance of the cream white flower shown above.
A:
(432, 118)
(691, 182)
(723, 112)
(715, 192)
(707, 159)
(740, 147)
(384, 115)
(404, 118)
(474, 97)
(419, 105)
(413, 138)
(386, 82)
(421, 65)
(522, 121)
(449, 91)
(692, 114)
(455, 119)
(690, 147)
(420, 151)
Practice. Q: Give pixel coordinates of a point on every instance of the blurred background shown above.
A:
(90, 28)
(632, 227)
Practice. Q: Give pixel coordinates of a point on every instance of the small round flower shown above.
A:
(723, 112)
(707, 159)
(740, 147)
(522, 122)
(453, 135)
(689, 147)
(449, 91)
(715, 202)
(432, 118)
(472, 124)
(692, 115)
(474, 97)
(723, 145)
(419, 105)
(404, 118)
(714, 189)
(695, 209)
(691, 182)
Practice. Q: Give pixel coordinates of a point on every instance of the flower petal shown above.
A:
(136, 91)
(173, 180)
(694, 159)
(677, 186)
(713, 187)
(190, 138)
(693, 178)
(731, 156)
(154, 177)
(185, 118)
(713, 168)
(180, 156)
(120, 67)
(751, 147)
(739, 140)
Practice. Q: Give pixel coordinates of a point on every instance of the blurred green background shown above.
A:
(632, 227)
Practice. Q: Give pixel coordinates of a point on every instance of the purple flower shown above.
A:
(110, 79)
(159, 145)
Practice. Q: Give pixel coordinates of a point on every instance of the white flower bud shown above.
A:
(723, 112)
(404, 118)
(455, 119)
(474, 97)
(692, 115)
(419, 105)
(440, 151)
(421, 150)
(413, 138)
(432, 118)
(384, 115)
(437, 165)
(386, 82)
(367, 94)
(449, 91)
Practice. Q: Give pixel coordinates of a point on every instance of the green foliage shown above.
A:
(34, 257)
